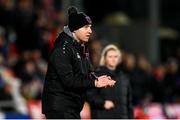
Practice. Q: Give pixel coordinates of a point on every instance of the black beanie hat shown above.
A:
(77, 19)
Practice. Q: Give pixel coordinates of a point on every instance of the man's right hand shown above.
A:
(104, 81)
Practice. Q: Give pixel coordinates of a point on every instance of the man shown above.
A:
(69, 73)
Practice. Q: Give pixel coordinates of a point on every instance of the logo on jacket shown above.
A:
(78, 56)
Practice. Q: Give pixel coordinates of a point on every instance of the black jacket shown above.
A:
(120, 94)
(67, 77)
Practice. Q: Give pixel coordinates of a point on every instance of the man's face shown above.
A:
(83, 33)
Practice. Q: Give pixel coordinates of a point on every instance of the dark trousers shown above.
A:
(62, 115)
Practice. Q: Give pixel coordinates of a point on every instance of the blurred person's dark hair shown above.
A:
(143, 63)
(172, 65)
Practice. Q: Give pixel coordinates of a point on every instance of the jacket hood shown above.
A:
(67, 31)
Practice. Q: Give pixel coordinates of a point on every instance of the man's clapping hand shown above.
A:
(104, 81)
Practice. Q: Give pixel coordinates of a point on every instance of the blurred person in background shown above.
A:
(141, 81)
(95, 51)
(157, 84)
(171, 80)
(69, 72)
(115, 102)
(128, 64)
(11, 93)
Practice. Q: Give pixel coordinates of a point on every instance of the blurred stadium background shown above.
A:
(147, 32)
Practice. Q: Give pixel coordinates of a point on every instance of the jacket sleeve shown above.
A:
(94, 99)
(61, 61)
(93, 95)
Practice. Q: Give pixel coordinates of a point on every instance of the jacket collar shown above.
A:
(67, 37)
(77, 45)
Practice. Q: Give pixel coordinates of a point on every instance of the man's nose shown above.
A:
(90, 30)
